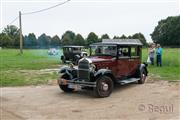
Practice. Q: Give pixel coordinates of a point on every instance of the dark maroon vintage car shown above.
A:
(111, 62)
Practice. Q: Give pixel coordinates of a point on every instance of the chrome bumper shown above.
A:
(76, 81)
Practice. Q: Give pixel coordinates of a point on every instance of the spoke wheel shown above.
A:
(103, 87)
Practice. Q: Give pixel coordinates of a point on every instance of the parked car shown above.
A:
(73, 54)
(111, 62)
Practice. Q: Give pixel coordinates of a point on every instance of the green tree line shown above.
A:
(9, 38)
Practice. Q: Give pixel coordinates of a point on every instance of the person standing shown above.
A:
(152, 53)
(159, 55)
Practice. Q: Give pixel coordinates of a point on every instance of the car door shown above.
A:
(135, 59)
(123, 62)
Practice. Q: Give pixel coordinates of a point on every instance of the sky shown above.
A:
(114, 17)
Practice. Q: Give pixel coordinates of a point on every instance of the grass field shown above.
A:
(27, 69)
(31, 68)
(170, 69)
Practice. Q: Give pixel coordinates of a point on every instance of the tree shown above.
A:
(44, 41)
(68, 38)
(30, 41)
(167, 32)
(116, 37)
(32, 38)
(13, 32)
(27, 42)
(55, 41)
(141, 37)
(5, 40)
(129, 37)
(92, 38)
(104, 36)
(79, 40)
(123, 37)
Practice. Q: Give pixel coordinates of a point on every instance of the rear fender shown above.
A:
(144, 66)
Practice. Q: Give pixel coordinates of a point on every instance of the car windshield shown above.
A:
(110, 50)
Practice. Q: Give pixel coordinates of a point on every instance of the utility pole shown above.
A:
(20, 34)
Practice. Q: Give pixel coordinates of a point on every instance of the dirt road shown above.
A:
(151, 101)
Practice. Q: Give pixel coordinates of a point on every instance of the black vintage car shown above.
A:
(73, 54)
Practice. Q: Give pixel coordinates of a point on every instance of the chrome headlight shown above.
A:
(92, 67)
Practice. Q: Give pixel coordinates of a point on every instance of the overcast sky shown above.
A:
(114, 17)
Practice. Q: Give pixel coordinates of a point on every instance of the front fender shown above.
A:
(102, 72)
(71, 72)
(63, 69)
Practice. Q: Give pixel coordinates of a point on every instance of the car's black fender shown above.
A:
(71, 72)
(106, 72)
(139, 68)
(144, 66)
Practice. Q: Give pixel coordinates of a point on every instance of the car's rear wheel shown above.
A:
(104, 87)
(142, 76)
(65, 87)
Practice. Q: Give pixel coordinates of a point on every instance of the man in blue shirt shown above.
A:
(159, 55)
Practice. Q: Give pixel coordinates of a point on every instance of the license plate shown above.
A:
(74, 86)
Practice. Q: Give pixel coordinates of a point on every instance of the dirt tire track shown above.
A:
(10, 114)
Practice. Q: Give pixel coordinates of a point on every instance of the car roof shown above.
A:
(73, 46)
(129, 42)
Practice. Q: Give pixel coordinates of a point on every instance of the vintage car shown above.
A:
(111, 62)
(73, 54)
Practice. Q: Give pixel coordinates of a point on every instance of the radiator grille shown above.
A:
(83, 70)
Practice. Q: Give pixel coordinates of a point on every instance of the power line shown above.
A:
(10, 22)
(28, 13)
(13, 20)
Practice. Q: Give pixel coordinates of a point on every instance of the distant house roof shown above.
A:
(119, 42)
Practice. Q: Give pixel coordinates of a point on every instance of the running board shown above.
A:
(129, 80)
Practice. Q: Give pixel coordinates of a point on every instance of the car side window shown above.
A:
(112, 50)
(134, 52)
(123, 52)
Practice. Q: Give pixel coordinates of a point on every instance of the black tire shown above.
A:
(63, 59)
(143, 76)
(65, 87)
(103, 83)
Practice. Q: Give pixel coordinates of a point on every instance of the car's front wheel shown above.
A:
(65, 87)
(104, 86)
